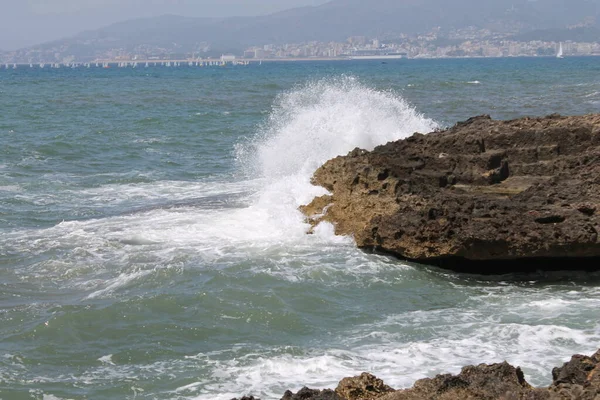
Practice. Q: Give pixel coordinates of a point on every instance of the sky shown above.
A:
(25, 23)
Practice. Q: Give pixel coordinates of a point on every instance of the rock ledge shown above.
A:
(474, 196)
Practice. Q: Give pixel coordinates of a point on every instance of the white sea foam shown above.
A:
(446, 341)
(10, 188)
(307, 126)
(324, 119)
(51, 397)
(107, 359)
(593, 94)
(121, 281)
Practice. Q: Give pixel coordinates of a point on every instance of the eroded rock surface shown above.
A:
(475, 195)
(363, 387)
(577, 379)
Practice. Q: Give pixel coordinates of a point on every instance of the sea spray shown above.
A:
(324, 119)
(313, 123)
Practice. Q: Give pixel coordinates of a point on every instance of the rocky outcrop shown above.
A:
(474, 196)
(311, 394)
(496, 381)
(363, 387)
(578, 379)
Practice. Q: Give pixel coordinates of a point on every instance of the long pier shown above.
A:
(225, 61)
(133, 64)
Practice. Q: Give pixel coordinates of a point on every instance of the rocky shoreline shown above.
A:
(578, 379)
(484, 196)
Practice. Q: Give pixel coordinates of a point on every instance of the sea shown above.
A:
(151, 245)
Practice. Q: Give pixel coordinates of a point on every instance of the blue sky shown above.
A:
(28, 22)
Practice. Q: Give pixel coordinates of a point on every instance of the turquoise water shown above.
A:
(151, 247)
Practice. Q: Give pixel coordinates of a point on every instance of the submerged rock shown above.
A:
(247, 398)
(474, 196)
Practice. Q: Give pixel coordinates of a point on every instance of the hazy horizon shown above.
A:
(31, 22)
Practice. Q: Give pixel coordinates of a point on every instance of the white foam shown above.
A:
(121, 281)
(308, 126)
(324, 119)
(52, 397)
(446, 341)
(10, 188)
(107, 359)
(269, 377)
(524, 326)
(163, 190)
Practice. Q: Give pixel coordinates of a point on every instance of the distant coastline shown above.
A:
(110, 63)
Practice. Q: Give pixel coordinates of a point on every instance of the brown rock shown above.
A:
(363, 387)
(311, 394)
(577, 379)
(496, 381)
(474, 196)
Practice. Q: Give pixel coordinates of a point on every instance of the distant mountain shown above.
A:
(333, 21)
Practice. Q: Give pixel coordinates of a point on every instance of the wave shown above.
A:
(323, 119)
(221, 222)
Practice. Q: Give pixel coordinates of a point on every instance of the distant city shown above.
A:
(463, 43)
(467, 42)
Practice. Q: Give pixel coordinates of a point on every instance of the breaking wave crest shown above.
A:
(324, 119)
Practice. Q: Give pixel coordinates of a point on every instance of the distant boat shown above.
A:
(560, 51)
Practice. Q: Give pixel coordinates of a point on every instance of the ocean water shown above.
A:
(151, 247)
